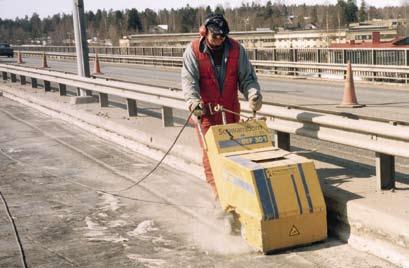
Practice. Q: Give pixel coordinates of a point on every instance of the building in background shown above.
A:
(309, 37)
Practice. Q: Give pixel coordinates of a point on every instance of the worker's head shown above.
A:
(215, 28)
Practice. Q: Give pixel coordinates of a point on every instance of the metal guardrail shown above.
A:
(374, 73)
(366, 56)
(387, 140)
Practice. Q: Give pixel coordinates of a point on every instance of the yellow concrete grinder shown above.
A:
(274, 196)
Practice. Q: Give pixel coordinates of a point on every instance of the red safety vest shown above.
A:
(209, 87)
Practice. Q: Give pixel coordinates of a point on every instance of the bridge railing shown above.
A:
(375, 73)
(375, 56)
(386, 139)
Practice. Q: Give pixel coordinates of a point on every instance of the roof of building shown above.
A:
(398, 42)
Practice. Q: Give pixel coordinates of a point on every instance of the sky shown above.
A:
(10, 9)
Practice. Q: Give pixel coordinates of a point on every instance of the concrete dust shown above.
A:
(97, 233)
(147, 262)
(111, 203)
(217, 241)
(102, 215)
(117, 223)
(143, 228)
(161, 240)
(95, 228)
(12, 150)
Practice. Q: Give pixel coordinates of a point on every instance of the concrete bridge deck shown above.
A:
(372, 221)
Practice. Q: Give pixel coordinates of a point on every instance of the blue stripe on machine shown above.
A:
(242, 184)
(304, 183)
(297, 194)
(244, 162)
(272, 196)
(228, 143)
(243, 141)
(269, 206)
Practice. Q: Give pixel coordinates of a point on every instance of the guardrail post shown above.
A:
(344, 56)
(274, 58)
(167, 116)
(47, 86)
(34, 82)
(319, 61)
(295, 59)
(407, 63)
(374, 57)
(103, 99)
(255, 54)
(4, 76)
(131, 107)
(13, 78)
(385, 171)
(22, 79)
(62, 89)
(407, 57)
(282, 140)
(291, 54)
(373, 63)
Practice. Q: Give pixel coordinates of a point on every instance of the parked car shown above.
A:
(6, 50)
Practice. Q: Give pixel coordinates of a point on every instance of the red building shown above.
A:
(398, 42)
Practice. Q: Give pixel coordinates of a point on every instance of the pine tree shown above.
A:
(351, 11)
(362, 11)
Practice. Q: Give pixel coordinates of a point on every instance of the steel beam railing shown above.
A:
(385, 139)
(381, 73)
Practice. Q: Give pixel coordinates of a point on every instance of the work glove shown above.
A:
(255, 102)
(196, 108)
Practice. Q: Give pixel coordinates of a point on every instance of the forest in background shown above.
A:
(114, 24)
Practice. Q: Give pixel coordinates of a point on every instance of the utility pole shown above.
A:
(81, 43)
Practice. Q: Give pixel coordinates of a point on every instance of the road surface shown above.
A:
(52, 175)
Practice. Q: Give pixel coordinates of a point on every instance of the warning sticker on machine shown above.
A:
(294, 231)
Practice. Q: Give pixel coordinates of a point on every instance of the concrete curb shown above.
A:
(83, 99)
(351, 221)
(364, 229)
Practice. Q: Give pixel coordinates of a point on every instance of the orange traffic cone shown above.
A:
(19, 58)
(45, 65)
(97, 67)
(349, 99)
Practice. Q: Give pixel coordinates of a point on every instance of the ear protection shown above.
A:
(203, 28)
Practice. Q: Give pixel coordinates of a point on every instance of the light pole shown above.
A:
(81, 43)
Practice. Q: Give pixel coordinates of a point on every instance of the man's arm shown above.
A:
(248, 84)
(190, 77)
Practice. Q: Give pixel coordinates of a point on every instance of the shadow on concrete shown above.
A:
(148, 112)
(312, 131)
(316, 104)
(284, 91)
(392, 104)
